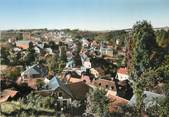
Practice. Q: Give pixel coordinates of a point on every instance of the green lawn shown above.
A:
(18, 109)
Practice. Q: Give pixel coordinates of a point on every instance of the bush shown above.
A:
(12, 73)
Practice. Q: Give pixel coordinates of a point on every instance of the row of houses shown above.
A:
(70, 91)
(66, 87)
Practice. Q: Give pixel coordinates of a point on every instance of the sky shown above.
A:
(82, 14)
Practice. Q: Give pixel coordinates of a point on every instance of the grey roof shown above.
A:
(49, 50)
(149, 99)
(35, 69)
(41, 46)
(55, 83)
(37, 50)
(23, 42)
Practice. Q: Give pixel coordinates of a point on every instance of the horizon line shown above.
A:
(99, 30)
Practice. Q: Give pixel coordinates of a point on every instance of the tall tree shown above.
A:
(162, 38)
(97, 102)
(51, 62)
(4, 55)
(143, 48)
(30, 58)
(144, 43)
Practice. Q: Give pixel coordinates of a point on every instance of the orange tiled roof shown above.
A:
(122, 70)
(23, 46)
(6, 94)
(9, 92)
(110, 92)
(74, 80)
(115, 102)
(79, 89)
(104, 82)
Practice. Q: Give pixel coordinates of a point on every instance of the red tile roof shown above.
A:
(23, 46)
(86, 79)
(122, 70)
(103, 83)
(74, 80)
(9, 92)
(115, 102)
(6, 94)
(79, 90)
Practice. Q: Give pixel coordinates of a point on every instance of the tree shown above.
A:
(144, 43)
(19, 36)
(53, 45)
(162, 38)
(4, 55)
(13, 58)
(51, 62)
(97, 102)
(148, 81)
(36, 101)
(30, 57)
(145, 63)
(13, 73)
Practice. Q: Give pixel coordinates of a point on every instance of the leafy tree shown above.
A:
(51, 62)
(150, 79)
(37, 102)
(19, 36)
(12, 73)
(162, 38)
(143, 50)
(97, 102)
(144, 44)
(62, 52)
(30, 58)
(53, 45)
(4, 55)
(13, 58)
(145, 66)
(54, 64)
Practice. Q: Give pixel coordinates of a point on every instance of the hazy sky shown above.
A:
(82, 14)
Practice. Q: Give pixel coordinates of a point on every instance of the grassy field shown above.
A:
(10, 109)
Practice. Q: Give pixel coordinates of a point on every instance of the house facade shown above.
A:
(122, 74)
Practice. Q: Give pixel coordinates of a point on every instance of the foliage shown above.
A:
(14, 58)
(19, 109)
(40, 83)
(112, 36)
(142, 37)
(36, 101)
(143, 46)
(60, 64)
(19, 36)
(4, 55)
(55, 64)
(30, 58)
(51, 62)
(52, 45)
(97, 102)
(12, 73)
(149, 66)
(162, 38)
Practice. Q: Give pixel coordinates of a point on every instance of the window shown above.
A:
(60, 94)
(107, 86)
(120, 88)
(112, 87)
(99, 84)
